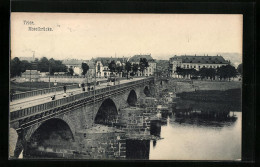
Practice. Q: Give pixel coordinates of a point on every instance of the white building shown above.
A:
(195, 62)
(76, 65)
(102, 65)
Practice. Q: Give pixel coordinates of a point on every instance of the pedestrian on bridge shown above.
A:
(64, 88)
(83, 87)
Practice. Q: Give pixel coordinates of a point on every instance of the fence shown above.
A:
(57, 103)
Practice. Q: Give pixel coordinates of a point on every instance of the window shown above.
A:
(187, 66)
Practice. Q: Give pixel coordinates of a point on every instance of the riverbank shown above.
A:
(212, 95)
(179, 86)
(229, 99)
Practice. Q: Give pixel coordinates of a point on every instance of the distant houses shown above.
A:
(98, 67)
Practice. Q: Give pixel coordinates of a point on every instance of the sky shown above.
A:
(85, 35)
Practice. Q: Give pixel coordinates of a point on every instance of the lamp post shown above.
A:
(49, 76)
(94, 98)
(55, 84)
(30, 80)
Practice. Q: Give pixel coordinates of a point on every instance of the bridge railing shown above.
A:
(58, 103)
(41, 91)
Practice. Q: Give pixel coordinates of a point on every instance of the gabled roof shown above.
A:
(201, 59)
(106, 60)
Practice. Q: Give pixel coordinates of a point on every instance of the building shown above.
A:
(195, 62)
(31, 75)
(149, 70)
(75, 64)
(102, 65)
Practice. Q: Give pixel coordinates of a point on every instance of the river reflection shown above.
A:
(199, 131)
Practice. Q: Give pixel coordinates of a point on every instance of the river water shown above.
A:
(198, 142)
(204, 131)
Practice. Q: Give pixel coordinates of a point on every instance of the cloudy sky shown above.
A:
(83, 36)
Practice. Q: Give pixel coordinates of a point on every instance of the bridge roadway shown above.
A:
(41, 99)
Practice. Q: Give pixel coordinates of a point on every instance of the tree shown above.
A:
(240, 69)
(211, 73)
(143, 64)
(85, 68)
(25, 65)
(43, 65)
(112, 66)
(135, 68)
(56, 66)
(128, 67)
(119, 68)
(179, 71)
(226, 72)
(15, 67)
(71, 71)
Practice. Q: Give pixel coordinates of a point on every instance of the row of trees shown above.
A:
(223, 72)
(43, 65)
(51, 65)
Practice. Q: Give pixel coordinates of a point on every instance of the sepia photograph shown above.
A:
(121, 86)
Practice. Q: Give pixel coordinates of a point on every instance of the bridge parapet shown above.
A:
(41, 91)
(49, 108)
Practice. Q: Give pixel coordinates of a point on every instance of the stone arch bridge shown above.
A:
(81, 111)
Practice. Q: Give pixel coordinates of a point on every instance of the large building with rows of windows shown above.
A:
(195, 62)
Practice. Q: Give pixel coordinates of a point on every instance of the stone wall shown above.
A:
(102, 142)
(134, 121)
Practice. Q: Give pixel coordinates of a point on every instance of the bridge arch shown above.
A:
(147, 91)
(132, 98)
(106, 113)
(51, 133)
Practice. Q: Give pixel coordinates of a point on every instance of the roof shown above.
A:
(106, 60)
(72, 62)
(201, 59)
(31, 72)
(91, 64)
(136, 58)
(77, 62)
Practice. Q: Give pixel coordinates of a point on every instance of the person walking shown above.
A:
(64, 88)
(83, 87)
